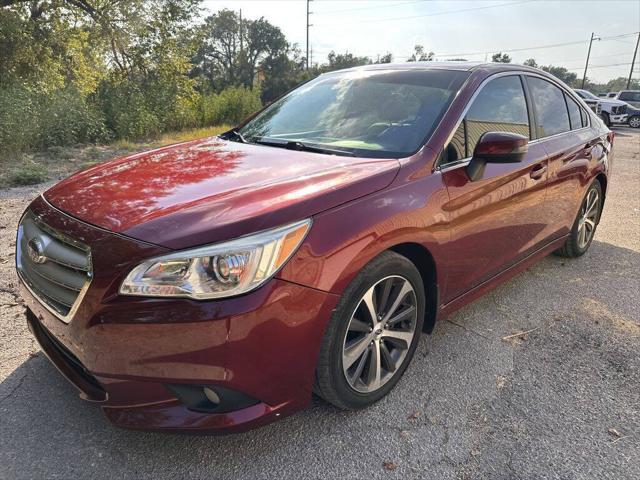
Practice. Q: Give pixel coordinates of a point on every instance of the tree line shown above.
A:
(76, 71)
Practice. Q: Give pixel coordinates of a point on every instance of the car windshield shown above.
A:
(368, 113)
(586, 94)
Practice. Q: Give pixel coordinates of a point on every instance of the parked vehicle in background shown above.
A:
(612, 94)
(633, 117)
(590, 99)
(632, 97)
(612, 111)
(214, 285)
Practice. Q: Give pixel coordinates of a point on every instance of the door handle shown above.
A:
(538, 172)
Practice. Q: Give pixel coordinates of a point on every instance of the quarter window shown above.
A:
(499, 107)
(585, 120)
(574, 113)
(550, 106)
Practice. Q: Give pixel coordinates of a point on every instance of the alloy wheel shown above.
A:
(379, 335)
(588, 218)
(634, 122)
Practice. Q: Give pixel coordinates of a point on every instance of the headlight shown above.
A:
(220, 270)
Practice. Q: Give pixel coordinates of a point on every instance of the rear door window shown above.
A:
(551, 109)
(499, 107)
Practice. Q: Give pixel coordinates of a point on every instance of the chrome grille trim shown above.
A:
(62, 279)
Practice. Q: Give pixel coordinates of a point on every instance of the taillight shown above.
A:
(610, 137)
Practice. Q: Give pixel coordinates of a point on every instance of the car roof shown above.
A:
(453, 65)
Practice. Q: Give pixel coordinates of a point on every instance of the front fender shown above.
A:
(344, 239)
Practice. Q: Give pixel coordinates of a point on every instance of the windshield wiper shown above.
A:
(302, 146)
(234, 135)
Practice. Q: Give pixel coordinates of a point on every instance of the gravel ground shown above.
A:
(560, 402)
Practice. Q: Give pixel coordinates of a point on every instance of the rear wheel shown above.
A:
(372, 334)
(634, 121)
(584, 227)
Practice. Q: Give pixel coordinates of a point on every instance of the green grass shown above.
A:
(59, 162)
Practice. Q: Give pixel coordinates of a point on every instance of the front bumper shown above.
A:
(123, 352)
(618, 118)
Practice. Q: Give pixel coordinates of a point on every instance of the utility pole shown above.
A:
(633, 62)
(308, 25)
(584, 77)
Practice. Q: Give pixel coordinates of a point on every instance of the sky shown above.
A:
(471, 29)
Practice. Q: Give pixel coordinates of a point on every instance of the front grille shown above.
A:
(56, 268)
(619, 110)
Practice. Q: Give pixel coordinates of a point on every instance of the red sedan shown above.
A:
(214, 285)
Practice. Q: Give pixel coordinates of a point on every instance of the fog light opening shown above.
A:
(210, 399)
(211, 395)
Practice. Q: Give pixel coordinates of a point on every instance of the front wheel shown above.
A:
(634, 121)
(584, 226)
(372, 334)
(605, 118)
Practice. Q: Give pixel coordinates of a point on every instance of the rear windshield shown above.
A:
(383, 114)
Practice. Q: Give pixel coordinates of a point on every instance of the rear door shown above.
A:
(563, 130)
(499, 219)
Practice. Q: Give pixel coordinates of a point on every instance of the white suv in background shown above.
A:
(611, 110)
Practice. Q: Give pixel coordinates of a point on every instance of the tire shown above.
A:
(576, 245)
(605, 118)
(343, 385)
(634, 121)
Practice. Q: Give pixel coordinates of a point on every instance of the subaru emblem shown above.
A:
(36, 251)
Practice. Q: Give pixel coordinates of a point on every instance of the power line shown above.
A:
(603, 66)
(521, 49)
(333, 12)
(434, 14)
(539, 47)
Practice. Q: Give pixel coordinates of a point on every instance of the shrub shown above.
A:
(31, 119)
(19, 122)
(66, 118)
(126, 111)
(28, 174)
(123, 109)
(232, 105)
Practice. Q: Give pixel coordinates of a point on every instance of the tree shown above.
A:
(386, 58)
(531, 63)
(280, 73)
(419, 55)
(620, 83)
(501, 58)
(339, 61)
(562, 74)
(231, 50)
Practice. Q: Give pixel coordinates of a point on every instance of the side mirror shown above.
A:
(496, 147)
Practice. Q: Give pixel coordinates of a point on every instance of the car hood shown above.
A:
(612, 102)
(210, 190)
